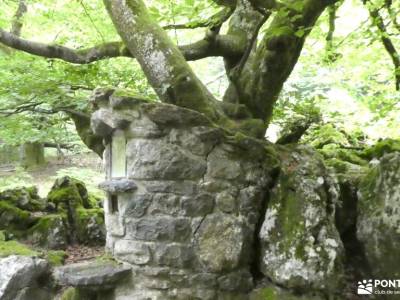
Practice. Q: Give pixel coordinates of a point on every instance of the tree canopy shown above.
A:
(224, 58)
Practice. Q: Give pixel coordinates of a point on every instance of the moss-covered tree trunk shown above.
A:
(257, 81)
(162, 62)
(31, 155)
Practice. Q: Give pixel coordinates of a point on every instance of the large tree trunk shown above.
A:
(31, 155)
(162, 62)
(270, 63)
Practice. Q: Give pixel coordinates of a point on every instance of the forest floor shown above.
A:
(86, 167)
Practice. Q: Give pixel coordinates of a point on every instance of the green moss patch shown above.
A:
(381, 148)
(8, 248)
(70, 294)
(25, 198)
(67, 193)
(12, 217)
(49, 232)
(56, 258)
(90, 226)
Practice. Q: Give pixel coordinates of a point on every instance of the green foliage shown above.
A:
(381, 148)
(181, 11)
(355, 91)
(53, 84)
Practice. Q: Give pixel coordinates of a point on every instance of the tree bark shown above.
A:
(226, 46)
(31, 155)
(162, 62)
(272, 61)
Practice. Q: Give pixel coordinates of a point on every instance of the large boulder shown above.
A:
(16, 207)
(300, 246)
(68, 193)
(14, 219)
(25, 198)
(90, 228)
(83, 221)
(379, 216)
(19, 277)
(49, 232)
(75, 215)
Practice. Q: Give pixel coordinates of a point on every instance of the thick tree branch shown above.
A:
(271, 63)
(84, 56)
(161, 61)
(227, 46)
(244, 26)
(16, 24)
(387, 42)
(58, 146)
(224, 45)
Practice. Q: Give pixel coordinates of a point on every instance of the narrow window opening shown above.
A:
(118, 155)
(113, 203)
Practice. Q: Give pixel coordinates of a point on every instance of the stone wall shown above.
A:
(186, 213)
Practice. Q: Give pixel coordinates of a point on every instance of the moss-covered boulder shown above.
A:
(69, 193)
(300, 246)
(25, 198)
(381, 148)
(49, 232)
(333, 151)
(14, 219)
(90, 228)
(84, 220)
(349, 176)
(379, 216)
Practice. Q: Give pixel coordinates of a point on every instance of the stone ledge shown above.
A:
(91, 275)
(118, 185)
